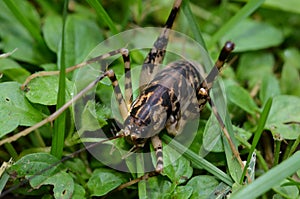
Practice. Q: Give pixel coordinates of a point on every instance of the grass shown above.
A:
(258, 98)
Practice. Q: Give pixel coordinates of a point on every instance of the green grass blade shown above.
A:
(198, 161)
(260, 128)
(193, 24)
(270, 179)
(294, 146)
(246, 11)
(60, 122)
(103, 15)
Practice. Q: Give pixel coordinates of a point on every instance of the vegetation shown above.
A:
(257, 95)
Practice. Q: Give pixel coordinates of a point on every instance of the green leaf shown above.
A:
(198, 161)
(182, 192)
(284, 117)
(26, 18)
(291, 57)
(289, 80)
(202, 186)
(44, 90)
(244, 12)
(76, 165)
(42, 169)
(269, 88)
(13, 70)
(178, 169)
(221, 191)
(79, 192)
(92, 119)
(212, 141)
(159, 188)
(287, 190)
(253, 35)
(15, 110)
(254, 66)
(63, 185)
(52, 31)
(81, 36)
(103, 181)
(16, 35)
(240, 97)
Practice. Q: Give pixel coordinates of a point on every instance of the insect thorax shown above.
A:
(169, 100)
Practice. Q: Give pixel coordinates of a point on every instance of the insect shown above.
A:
(168, 99)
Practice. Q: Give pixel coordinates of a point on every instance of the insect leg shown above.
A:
(225, 52)
(225, 131)
(128, 88)
(128, 83)
(157, 53)
(157, 144)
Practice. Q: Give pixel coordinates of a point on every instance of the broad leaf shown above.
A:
(42, 169)
(15, 110)
(284, 117)
(159, 188)
(178, 169)
(43, 90)
(12, 70)
(103, 181)
(15, 35)
(182, 192)
(254, 66)
(253, 35)
(202, 186)
(240, 97)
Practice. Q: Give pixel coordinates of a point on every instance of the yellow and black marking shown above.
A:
(121, 102)
(168, 99)
(128, 84)
(157, 53)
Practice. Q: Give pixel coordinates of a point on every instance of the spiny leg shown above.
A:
(128, 81)
(157, 145)
(207, 85)
(117, 91)
(225, 52)
(157, 53)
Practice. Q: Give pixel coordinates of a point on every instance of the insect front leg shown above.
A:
(157, 145)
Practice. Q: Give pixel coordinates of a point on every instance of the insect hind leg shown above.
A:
(123, 103)
(157, 53)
